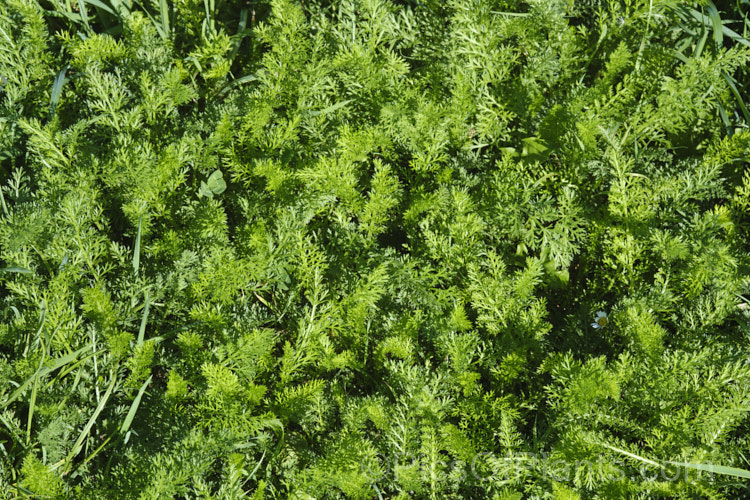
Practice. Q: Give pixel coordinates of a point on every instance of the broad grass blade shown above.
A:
(164, 12)
(84, 14)
(713, 13)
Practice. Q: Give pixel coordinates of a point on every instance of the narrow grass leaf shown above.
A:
(208, 22)
(84, 14)
(2, 200)
(724, 118)
(134, 407)
(716, 469)
(122, 7)
(158, 25)
(23, 490)
(16, 269)
(241, 33)
(701, 44)
(164, 12)
(737, 96)
(57, 90)
(102, 6)
(142, 330)
(728, 32)
(238, 81)
(137, 249)
(42, 316)
(713, 13)
(32, 401)
(57, 363)
(63, 263)
(76, 18)
(66, 369)
(96, 452)
(79, 442)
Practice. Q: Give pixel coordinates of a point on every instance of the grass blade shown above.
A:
(737, 96)
(42, 316)
(2, 200)
(122, 7)
(96, 452)
(102, 6)
(134, 407)
(717, 469)
(63, 263)
(728, 32)
(238, 81)
(725, 119)
(164, 12)
(57, 90)
(159, 27)
(142, 330)
(79, 442)
(84, 14)
(208, 22)
(241, 28)
(32, 401)
(58, 363)
(713, 14)
(701, 44)
(16, 269)
(137, 249)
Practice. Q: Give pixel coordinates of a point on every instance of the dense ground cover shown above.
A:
(374, 249)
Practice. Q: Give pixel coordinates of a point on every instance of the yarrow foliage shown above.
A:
(374, 249)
